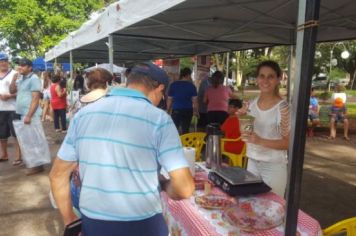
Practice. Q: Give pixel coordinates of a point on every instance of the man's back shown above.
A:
(121, 141)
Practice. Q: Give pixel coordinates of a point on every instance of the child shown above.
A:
(267, 144)
(313, 113)
(231, 127)
(338, 114)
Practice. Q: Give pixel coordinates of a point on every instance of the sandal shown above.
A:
(17, 162)
(4, 159)
(347, 138)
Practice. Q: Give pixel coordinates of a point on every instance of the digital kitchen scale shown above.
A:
(237, 181)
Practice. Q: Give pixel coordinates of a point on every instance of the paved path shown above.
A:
(328, 194)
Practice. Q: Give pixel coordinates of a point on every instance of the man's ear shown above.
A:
(161, 87)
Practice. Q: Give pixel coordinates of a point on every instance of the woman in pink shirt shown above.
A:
(217, 97)
(59, 103)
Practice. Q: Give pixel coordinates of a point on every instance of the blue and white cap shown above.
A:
(4, 56)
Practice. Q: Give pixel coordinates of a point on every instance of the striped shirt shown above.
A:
(120, 142)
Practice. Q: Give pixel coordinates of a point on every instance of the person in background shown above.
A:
(231, 128)
(203, 108)
(338, 93)
(46, 100)
(267, 144)
(217, 97)
(59, 103)
(182, 101)
(97, 81)
(27, 88)
(121, 142)
(313, 113)
(339, 114)
(7, 109)
(78, 84)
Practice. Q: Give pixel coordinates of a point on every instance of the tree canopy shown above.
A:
(31, 27)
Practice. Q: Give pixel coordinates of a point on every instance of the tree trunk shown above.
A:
(352, 83)
(238, 69)
(220, 64)
(268, 52)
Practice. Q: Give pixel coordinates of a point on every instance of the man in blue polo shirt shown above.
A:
(120, 142)
(27, 88)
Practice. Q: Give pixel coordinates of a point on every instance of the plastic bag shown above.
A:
(33, 143)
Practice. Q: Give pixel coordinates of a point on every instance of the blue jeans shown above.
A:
(153, 226)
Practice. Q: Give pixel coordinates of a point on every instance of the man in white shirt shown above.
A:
(7, 108)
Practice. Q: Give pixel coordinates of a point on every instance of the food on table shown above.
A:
(213, 201)
(252, 214)
(200, 183)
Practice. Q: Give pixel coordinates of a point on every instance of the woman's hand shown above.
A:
(250, 137)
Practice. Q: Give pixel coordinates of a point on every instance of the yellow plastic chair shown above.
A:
(195, 140)
(234, 159)
(345, 227)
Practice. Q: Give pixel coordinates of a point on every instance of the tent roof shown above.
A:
(176, 28)
(116, 69)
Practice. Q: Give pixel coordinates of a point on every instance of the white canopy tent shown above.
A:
(147, 29)
(194, 27)
(106, 66)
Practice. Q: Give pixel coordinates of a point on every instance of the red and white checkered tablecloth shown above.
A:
(196, 221)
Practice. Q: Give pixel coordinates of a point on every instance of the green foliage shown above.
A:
(322, 62)
(338, 74)
(33, 26)
(324, 95)
(186, 62)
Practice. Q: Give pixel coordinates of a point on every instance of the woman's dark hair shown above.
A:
(271, 64)
(237, 103)
(217, 78)
(185, 72)
(127, 72)
(63, 83)
(56, 79)
(98, 78)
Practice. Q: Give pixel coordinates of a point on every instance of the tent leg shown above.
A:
(305, 49)
(111, 53)
(227, 67)
(71, 64)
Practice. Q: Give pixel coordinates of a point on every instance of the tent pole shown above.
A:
(111, 53)
(227, 67)
(308, 16)
(291, 72)
(71, 64)
(55, 65)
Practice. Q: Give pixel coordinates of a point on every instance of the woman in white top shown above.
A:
(267, 144)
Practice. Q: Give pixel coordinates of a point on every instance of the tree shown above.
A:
(31, 27)
(322, 61)
(349, 64)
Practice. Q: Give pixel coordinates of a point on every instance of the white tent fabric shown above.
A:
(106, 66)
(149, 29)
(115, 17)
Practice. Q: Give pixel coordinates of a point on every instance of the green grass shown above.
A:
(351, 111)
(351, 92)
